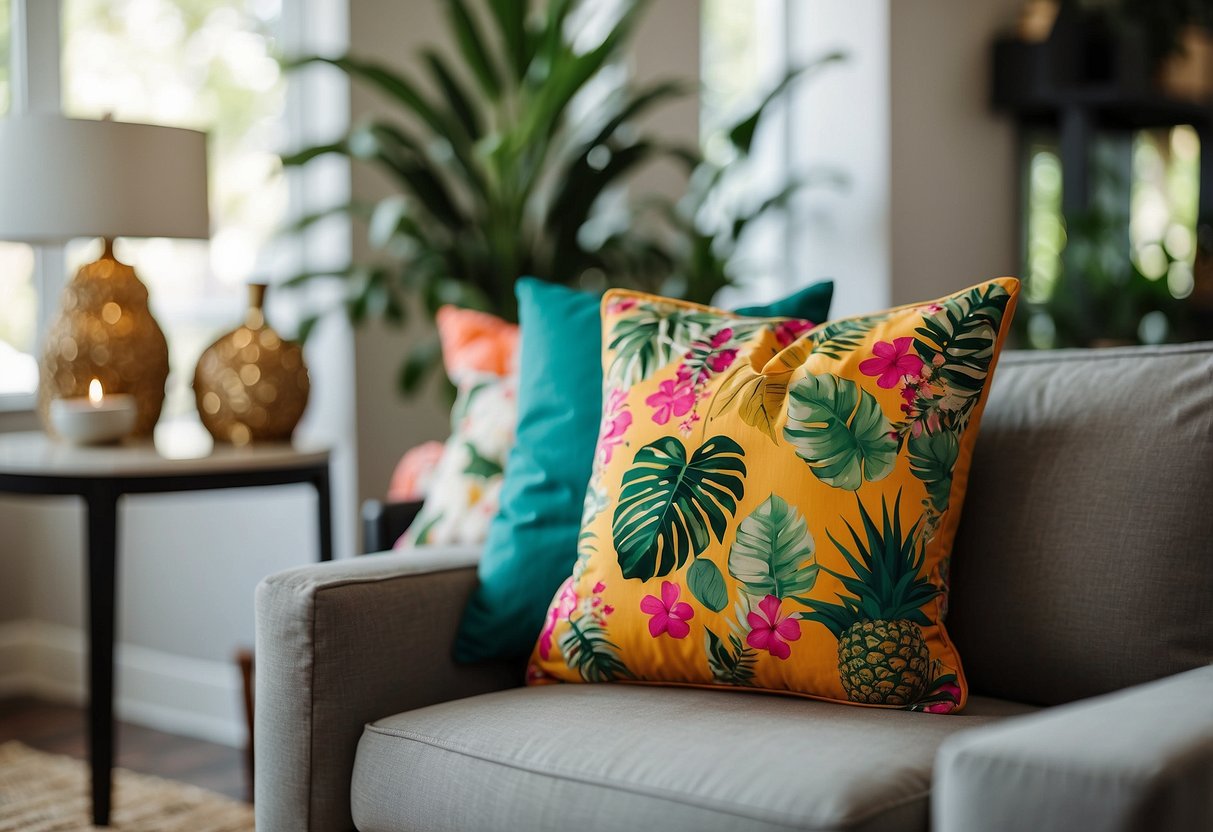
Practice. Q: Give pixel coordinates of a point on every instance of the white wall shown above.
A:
(388, 425)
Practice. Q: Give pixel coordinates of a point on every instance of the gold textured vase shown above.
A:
(251, 385)
(105, 331)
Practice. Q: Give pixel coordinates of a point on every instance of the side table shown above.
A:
(31, 463)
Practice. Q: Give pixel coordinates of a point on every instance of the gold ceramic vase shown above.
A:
(251, 385)
(105, 331)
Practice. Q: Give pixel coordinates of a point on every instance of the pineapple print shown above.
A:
(883, 658)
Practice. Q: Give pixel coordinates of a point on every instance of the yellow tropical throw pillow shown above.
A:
(772, 507)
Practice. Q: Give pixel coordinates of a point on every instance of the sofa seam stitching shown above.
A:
(1168, 350)
(355, 581)
(792, 823)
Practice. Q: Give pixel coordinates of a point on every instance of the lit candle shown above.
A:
(95, 419)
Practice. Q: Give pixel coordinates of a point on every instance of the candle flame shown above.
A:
(95, 391)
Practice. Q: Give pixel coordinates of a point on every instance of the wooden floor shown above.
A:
(60, 729)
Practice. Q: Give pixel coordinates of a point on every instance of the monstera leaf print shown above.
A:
(773, 552)
(932, 458)
(959, 341)
(649, 338)
(839, 429)
(837, 337)
(670, 507)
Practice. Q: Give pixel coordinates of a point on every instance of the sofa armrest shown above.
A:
(1139, 759)
(341, 644)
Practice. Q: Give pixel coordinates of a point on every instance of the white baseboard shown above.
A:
(178, 694)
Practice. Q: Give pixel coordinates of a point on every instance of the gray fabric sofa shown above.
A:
(1082, 604)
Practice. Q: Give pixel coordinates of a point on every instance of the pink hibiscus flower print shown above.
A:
(771, 631)
(670, 400)
(721, 360)
(892, 363)
(669, 615)
(620, 306)
(789, 331)
(945, 707)
(613, 438)
(566, 602)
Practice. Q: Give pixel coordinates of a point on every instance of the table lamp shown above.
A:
(61, 179)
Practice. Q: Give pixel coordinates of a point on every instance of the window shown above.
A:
(1157, 185)
(742, 56)
(207, 66)
(18, 299)
(202, 64)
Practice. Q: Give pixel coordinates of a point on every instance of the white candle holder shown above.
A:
(96, 420)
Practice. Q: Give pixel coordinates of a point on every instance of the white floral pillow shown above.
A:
(462, 496)
(479, 352)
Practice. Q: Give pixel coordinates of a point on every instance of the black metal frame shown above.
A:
(100, 494)
(384, 522)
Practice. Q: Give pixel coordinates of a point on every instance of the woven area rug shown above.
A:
(42, 792)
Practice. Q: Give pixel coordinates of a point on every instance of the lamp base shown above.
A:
(105, 331)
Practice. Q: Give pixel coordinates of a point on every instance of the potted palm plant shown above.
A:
(501, 171)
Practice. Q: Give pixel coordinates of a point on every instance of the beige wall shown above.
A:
(387, 424)
(952, 197)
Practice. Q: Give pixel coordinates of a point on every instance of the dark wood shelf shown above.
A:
(1091, 77)
(1033, 84)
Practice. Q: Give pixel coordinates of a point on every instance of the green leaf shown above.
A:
(459, 100)
(962, 337)
(511, 20)
(773, 553)
(404, 157)
(670, 508)
(649, 338)
(835, 338)
(932, 459)
(306, 327)
(741, 136)
(587, 650)
(480, 465)
(423, 533)
(731, 664)
(473, 48)
(707, 584)
(350, 209)
(387, 81)
(302, 157)
(838, 428)
(422, 359)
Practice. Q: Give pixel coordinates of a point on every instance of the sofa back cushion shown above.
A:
(1084, 559)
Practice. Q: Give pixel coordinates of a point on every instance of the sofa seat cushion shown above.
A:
(597, 757)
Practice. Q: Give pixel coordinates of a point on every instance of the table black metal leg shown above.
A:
(102, 557)
(324, 511)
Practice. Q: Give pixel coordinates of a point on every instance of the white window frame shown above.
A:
(839, 120)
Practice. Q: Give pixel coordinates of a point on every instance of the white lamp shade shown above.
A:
(64, 178)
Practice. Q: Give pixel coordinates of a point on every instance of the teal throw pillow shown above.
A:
(532, 541)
